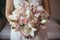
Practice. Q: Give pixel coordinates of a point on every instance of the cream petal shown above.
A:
(43, 21)
(32, 33)
(40, 8)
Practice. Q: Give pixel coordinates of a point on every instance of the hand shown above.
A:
(43, 27)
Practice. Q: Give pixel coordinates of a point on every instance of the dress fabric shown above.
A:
(17, 35)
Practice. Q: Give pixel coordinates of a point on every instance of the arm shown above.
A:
(9, 8)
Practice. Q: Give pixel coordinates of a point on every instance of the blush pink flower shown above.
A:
(23, 21)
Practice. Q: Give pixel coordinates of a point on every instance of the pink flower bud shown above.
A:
(25, 21)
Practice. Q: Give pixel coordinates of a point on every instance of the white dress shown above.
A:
(17, 35)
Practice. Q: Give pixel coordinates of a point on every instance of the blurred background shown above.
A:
(53, 30)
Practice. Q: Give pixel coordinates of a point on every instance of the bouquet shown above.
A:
(27, 18)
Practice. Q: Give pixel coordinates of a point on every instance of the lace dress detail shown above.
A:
(17, 2)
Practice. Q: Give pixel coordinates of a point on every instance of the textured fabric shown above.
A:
(17, 3)
(17, 36)
(42, 35)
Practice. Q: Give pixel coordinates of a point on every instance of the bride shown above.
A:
(16, 35)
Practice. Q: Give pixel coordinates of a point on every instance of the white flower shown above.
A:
(21, 17)
(28, 13)
(40, 8)
(37, 15)
(43, 21)
(11, 17)
(14, 14)
(34, 3)
(32, 30)
(12, 24)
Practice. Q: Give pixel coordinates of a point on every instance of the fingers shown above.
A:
(43, 27)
